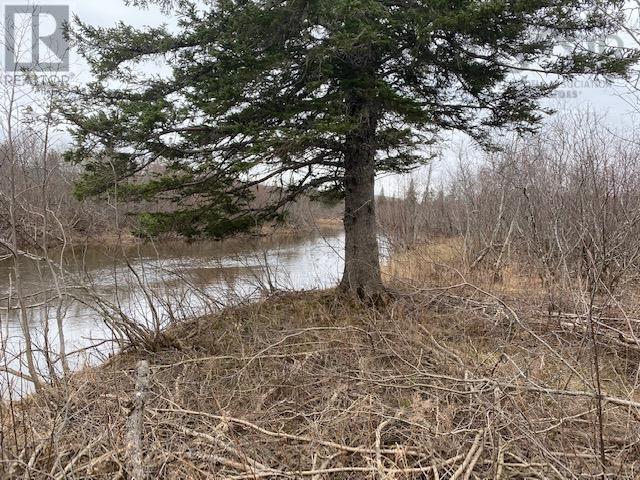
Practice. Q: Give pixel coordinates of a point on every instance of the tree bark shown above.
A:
(362, 275)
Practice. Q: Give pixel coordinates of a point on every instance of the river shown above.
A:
(151, 283)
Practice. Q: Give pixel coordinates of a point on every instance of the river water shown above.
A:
(151, 284)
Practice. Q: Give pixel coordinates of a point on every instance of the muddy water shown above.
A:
(151, 284)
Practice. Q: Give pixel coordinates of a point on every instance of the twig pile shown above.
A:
(447, 384)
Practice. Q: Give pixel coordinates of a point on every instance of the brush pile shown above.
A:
(448, 383)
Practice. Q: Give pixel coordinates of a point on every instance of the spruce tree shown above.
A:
(312, 96)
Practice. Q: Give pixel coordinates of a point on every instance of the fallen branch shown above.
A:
(289, 436)
(312, 473)
(135, 423)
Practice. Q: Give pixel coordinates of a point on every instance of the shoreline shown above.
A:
(264, 390)
(127, 239)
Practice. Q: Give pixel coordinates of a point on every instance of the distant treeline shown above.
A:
(33, 181)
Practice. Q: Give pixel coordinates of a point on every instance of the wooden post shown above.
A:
(135, 423)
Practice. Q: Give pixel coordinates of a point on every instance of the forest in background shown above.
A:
(50, 182)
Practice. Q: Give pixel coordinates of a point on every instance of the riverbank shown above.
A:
(127, 239)
(465, 381)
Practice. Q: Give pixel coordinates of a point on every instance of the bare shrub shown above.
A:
(559, 203)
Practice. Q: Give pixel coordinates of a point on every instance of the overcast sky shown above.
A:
(108, 12)
(584, 94)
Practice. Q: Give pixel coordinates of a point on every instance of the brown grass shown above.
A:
(441, 263)
(443, 382)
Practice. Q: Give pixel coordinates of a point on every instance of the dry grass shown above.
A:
(441, 263)
(448, 383)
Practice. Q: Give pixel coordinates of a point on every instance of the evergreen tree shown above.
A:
(410, 213)
(313, 96)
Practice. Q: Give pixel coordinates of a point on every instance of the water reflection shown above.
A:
(160, 282)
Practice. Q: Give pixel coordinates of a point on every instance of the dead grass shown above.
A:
(441, 263)
(443, 382)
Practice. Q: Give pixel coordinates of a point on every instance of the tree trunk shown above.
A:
(362, 260)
